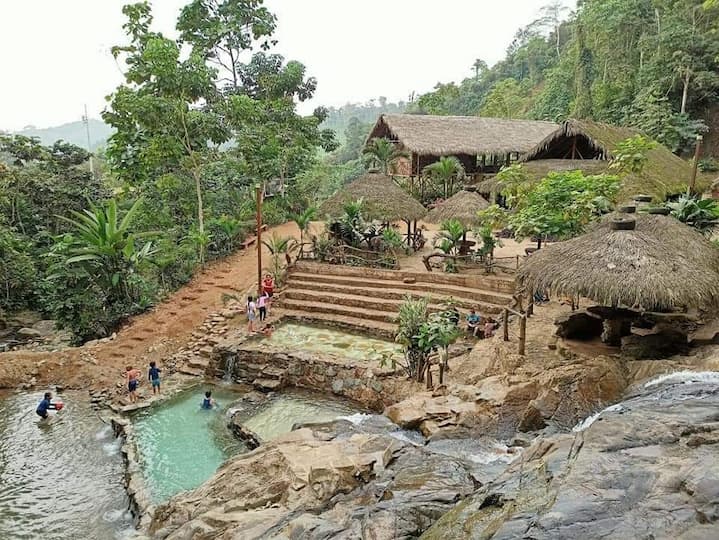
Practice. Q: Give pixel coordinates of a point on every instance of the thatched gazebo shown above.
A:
(640, 262)
(462, 206)
(382, 200)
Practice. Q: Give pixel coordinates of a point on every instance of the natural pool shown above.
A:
(326, 341)
(181, 446)
(62, 480)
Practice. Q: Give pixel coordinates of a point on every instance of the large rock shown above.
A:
(655, 346)
(319, 484)
(580, 325)
(647, 469)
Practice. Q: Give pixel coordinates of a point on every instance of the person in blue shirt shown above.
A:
(153, 375)
(208, 402)
(474, 322)
(45, 405)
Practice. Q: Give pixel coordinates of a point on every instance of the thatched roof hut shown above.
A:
(462, 206)
(430, 135)
(590, 146)
(658, 265)
(382, 198)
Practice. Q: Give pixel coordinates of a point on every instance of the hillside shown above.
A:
(72, 132)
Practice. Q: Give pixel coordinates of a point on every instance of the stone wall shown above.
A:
(370, 386)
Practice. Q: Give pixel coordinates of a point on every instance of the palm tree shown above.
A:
(104, 244)
(446, 170)
(303, 220)
(382, 153)
(449, 237)
(279, 246)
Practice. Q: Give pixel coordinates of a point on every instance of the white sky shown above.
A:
(54, 54)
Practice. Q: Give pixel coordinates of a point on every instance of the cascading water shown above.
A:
(229, 369)
(668, 379)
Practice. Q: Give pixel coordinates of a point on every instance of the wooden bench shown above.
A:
(250, 240)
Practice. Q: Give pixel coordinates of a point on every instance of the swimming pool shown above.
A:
(328, 341)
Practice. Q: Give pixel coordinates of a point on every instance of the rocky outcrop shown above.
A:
(648, 468)
(317, 484)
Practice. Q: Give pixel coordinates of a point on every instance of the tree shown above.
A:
(447, 170)
(382, 153)
(449, 237)
(222, 30)
(506, 100)
(280, 248)
(303, 221)
(105, 246)
(560, 205)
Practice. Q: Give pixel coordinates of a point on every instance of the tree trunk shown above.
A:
(200, 214)
(685, 92)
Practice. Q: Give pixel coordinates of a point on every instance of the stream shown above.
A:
(61, 480)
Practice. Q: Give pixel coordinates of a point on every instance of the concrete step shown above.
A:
(339, 310)
(439, 289)
(372, 327)
(503, 284)
(399, 291)
(354, 298)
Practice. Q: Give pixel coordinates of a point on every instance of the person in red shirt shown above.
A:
(268, 286)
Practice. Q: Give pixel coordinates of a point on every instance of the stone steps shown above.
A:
(398, 288)
(380, 304)
(338, 309)
(378, 328)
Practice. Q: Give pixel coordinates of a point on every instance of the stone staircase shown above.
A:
(369, 299)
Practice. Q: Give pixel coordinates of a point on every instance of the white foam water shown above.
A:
(112, 448)
(589, 420)
(356, 418)
(685, 377)
(104, 433)
(411, 437)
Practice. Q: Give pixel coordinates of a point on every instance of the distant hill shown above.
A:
(338, 118)
(73, 132)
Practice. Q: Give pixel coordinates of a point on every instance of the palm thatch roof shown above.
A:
(462, 206)
(664, 173)
(453, 135)
(659, 265)
(382, 199)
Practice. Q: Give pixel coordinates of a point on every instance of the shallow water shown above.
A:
(283, 411)
(182, 445)
(61, 480)
(316, 339)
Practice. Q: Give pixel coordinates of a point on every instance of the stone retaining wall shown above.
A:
(267, 370)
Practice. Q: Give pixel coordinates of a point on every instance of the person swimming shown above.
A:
(208, 402)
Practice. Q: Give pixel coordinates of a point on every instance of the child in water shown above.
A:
(153, 375)
(45, 405)
(208, 402)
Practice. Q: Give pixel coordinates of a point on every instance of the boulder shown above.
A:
(28, 333)
(662, 344)
(45, 327)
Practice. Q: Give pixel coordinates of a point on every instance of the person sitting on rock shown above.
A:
(489, 327)
(474, 323)
(208, 402)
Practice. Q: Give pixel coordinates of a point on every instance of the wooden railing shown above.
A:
(350, 256)
(523, 316)
(489, 264)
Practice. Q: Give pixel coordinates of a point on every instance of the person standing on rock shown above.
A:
(262, 302)
(153, 375)
(132, 375)
(251, 309)
(268, 287)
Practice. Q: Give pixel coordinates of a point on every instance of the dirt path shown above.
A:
(150, 336)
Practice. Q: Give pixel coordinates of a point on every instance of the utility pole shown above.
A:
(86, 121)
(258, 191)
(697, 155)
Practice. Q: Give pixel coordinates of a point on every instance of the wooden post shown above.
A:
(258, 192)
(522, 334)
(695, 164)
(505, 324)
(574, 147)
(530, 307)
(429, 377)
(441, 374)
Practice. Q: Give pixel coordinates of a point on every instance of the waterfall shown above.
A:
(589, 420)
(685, 377)
(229, 368)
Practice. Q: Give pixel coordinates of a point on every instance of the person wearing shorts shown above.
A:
(251, 314)
(153, 375)
(132, 375)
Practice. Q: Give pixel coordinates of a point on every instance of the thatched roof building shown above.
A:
(477, 142)
(658, 265)
(382, 198)
(462, 206)
(590, 146)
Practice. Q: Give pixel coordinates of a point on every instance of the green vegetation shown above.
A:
(651, 64)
